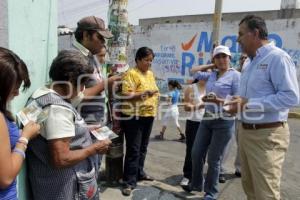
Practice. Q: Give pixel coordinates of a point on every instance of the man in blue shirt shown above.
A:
(268, 89)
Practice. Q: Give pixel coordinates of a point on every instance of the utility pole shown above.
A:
(117, 49)
(118, 24)
(217, 23)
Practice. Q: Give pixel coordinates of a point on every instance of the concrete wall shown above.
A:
(64, 42)
(288, 4)
(32, 34)
(174, 56)
(3, 24)
(226, 17)
(32, 31)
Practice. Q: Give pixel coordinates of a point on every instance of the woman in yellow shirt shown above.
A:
(138, 111)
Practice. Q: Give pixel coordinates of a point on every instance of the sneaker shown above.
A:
(222, 178)
(208, 197)
(184, 181)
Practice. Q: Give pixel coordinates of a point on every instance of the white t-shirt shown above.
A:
(197, 99)
(60, 121)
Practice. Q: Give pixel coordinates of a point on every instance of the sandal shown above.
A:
(159, 137)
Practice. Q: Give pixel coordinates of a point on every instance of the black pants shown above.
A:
(191, 128)
(137, 131)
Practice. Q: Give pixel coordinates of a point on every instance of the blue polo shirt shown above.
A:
(269, 82)
(228, 84)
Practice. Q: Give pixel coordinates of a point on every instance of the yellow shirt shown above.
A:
(136, 81)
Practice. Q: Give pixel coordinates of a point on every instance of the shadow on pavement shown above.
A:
(172, 180)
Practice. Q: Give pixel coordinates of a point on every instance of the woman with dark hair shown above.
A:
(62, 161)
(172, 112)
(217, 126)
(138, 110)
(13, 72)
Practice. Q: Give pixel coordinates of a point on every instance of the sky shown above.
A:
(70, 11)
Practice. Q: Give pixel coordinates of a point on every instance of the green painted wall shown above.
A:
(32, 34)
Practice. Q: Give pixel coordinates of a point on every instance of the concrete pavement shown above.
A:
(165, 160)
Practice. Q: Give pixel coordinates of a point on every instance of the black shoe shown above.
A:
(187, 188)
(237, 174)
(182, 137)
(222, 178)
(146, 178)
(126, 190)
(160, 136)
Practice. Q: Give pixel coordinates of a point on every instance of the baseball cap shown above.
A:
(94, 23)
(221, 49)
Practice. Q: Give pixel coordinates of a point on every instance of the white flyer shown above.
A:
(104, 133)
(227, 99)
(32, 112)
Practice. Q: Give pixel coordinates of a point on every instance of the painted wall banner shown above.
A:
(178, 47)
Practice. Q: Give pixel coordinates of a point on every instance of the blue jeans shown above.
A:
(212, 137)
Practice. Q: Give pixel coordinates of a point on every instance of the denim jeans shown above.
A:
(212, 137)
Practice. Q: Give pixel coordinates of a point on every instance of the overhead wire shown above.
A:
(68, 12)
(146, 3)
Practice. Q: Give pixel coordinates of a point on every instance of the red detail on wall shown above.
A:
(186, 46)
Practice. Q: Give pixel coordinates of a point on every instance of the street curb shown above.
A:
(294, 115)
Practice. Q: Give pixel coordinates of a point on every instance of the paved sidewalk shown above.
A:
(145, 190)
(165, 160)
